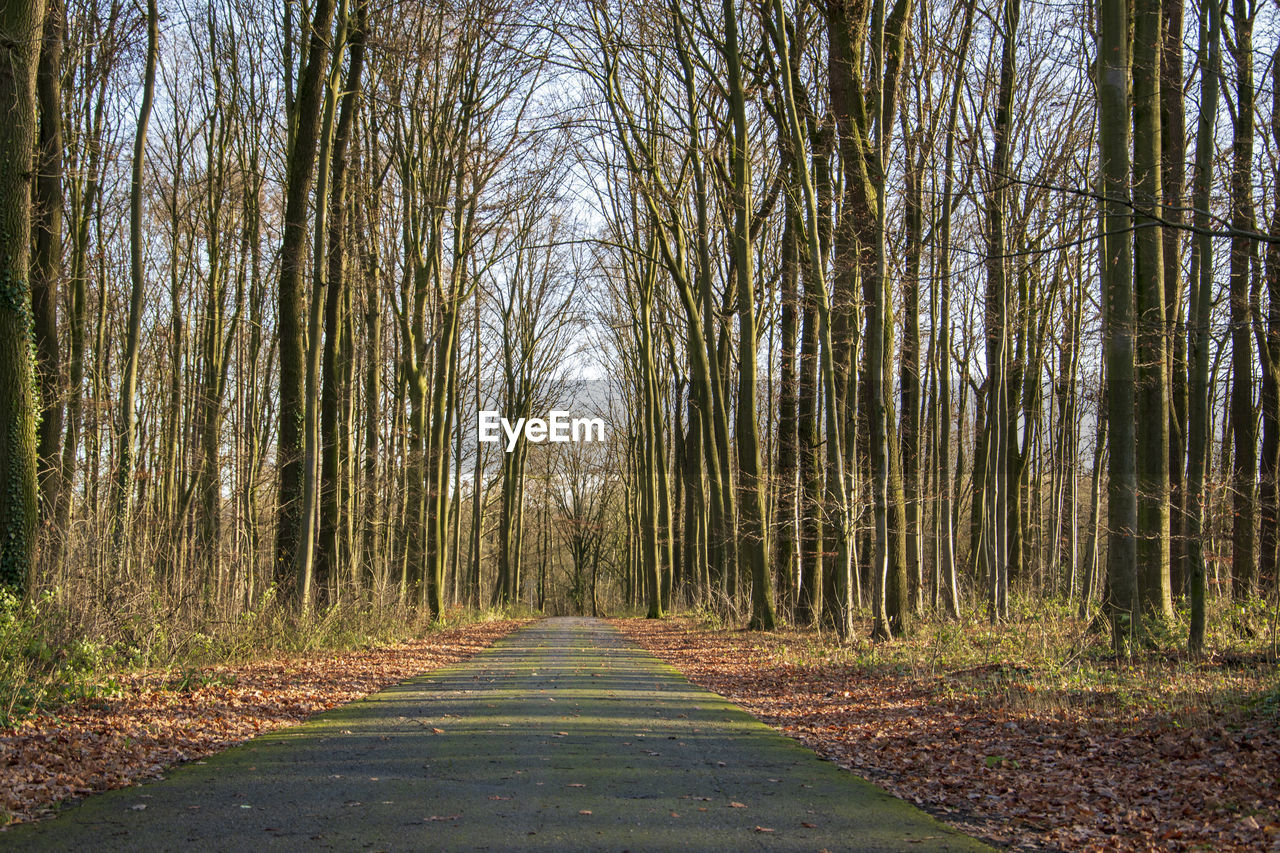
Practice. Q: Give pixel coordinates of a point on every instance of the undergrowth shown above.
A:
(52, 653)
(1048, 659)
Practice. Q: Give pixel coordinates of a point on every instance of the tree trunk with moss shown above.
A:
(20, 26)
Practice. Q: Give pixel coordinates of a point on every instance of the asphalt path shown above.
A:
(562, 736)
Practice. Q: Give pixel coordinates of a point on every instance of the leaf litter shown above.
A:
(103, 743)
(1026, 778)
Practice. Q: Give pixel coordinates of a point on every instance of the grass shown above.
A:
(1046, 659)
(52, 654)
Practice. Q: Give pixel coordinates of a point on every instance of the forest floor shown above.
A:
(157, 718)
(996, 734)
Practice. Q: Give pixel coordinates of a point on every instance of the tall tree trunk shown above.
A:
(1244, 460)
(328, 555)
(1116, 262)
(999, 417)
(477, 475)
(315, 580)
(878, 353)
(754, 547)
(1151, 357)
(1269, 533)
(444, 382)
(1198, 318)
(909, 376)
(290, 562)
(170, 477)
(1173, 148)
(20, 27)
(946, 555)
(373, 561)
(838, 329)
(46, 259)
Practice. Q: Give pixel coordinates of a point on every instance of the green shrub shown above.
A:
(55, 649)
(44, 663)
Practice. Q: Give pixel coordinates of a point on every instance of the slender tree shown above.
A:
(1200, 304)
(1244, 456)
(122, 493)
(1269, 351)
(1000, 414)
(46, 259)
(1173, 149)
(333, 453)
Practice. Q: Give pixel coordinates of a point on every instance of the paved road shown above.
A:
(563, 736)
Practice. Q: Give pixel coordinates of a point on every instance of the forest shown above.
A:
(912, 365)
(896, 312)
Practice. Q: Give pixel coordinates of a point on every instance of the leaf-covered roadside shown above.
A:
(159, 719)
(1027, 776)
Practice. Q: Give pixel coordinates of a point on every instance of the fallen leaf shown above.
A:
(1071, 767)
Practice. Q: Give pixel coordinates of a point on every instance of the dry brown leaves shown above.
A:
(1029, 779)
(158, 721)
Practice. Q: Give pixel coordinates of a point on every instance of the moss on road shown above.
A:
(563, 736)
